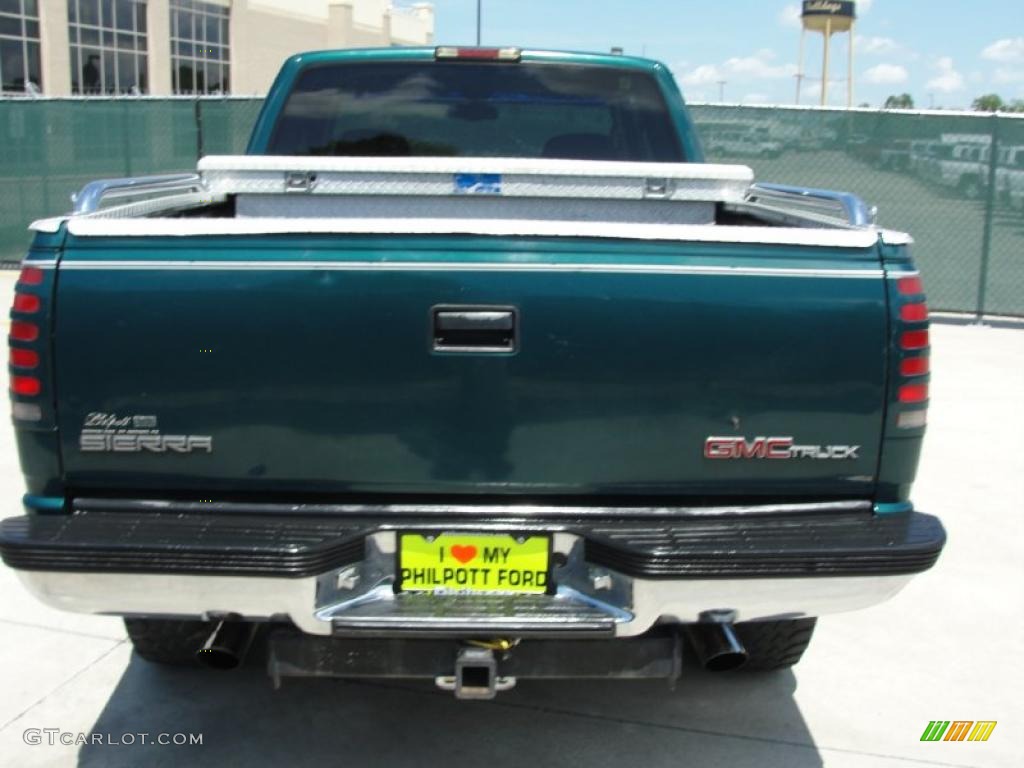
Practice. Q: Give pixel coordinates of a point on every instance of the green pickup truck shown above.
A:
(471, 370)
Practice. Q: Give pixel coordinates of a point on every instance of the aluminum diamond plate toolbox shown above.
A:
(504, 177)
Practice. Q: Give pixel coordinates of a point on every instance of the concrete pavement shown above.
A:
(948, 647)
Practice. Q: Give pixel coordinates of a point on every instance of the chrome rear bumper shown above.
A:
(614, 579)
(266, 598)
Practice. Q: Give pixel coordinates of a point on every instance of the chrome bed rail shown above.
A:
(88, 199)
(476, 189)
(826, 203)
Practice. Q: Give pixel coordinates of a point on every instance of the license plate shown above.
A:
(456, 562)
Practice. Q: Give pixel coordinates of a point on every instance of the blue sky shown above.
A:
(943, 54)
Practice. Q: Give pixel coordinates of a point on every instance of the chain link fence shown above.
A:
(50, 148)
(954, 181)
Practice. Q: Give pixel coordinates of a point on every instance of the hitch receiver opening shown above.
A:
(476, 675)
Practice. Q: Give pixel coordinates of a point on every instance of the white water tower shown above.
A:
(829, 17)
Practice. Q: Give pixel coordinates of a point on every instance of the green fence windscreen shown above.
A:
(227, 123)
(49, 149)
(955, 182)
(935, 176)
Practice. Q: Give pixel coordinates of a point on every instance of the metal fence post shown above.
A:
(199, 129)
(44, 153)
(990, 204)
(126, 132)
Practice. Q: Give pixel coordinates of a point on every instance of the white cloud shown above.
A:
(886, 74)
(755, 98)
(875, 45)
(789, 16)
(738, 69)
(864, 6)
(705, 74)
(1010, 49)
(948, 80)
(1008, 75)
(760, 66)
(810, 91)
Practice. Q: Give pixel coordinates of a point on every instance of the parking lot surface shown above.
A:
(949, 647)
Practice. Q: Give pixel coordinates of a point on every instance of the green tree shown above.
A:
(903, 101)
(1017, 105)
(990, 102)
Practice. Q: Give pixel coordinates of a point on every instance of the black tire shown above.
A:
(167, 641)
(775, 644)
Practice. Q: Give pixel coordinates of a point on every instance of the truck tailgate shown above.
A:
(310, 364)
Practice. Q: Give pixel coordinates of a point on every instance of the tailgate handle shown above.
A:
(476, 329)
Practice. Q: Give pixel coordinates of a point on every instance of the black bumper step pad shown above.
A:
(162, 542)
(298, 545)
(856, 544)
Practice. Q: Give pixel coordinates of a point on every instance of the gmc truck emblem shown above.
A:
(776, 448)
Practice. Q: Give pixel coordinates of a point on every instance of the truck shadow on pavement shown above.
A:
(728, 720)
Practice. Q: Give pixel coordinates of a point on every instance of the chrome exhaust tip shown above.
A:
(715, 643)
(227, 645)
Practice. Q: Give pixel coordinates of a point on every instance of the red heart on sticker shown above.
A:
(463, 553)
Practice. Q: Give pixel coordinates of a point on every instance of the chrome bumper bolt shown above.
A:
(348, 579)
(600, 580)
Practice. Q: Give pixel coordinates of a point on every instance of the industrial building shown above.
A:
(164, 47)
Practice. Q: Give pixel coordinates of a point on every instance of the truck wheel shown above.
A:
(775, 644)
(167, 641)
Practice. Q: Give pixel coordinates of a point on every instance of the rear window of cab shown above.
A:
(462, 109)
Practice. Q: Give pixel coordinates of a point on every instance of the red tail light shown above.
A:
(909, 286)
(24, 358)
(914, 313)
(26, 302)
(25, 385)
(914, 366)
(913, 393)
(31, 276)
(914, 340)
(22, 331)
